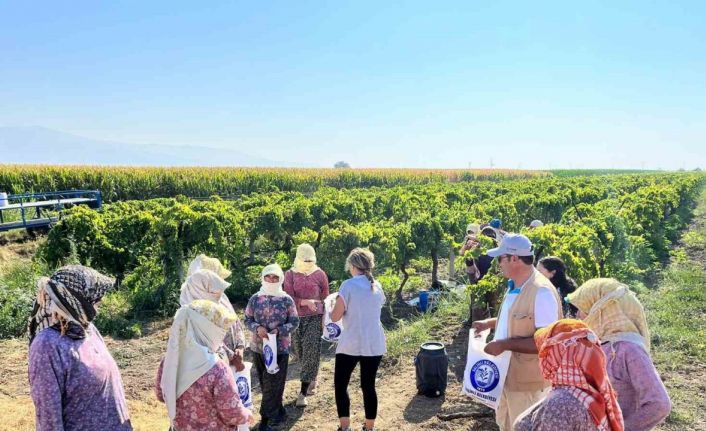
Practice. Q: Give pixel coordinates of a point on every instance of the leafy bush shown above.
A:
(18, 281)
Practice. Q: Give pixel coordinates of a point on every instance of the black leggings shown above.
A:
(345, 364)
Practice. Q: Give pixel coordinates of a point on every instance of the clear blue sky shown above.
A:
(399, 84)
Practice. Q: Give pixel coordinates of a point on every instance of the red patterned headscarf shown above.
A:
(571, 357)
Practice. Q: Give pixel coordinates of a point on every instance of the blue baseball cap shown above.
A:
(496, 223)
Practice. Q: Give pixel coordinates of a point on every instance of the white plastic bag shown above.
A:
(485, 374)
(332, 330)
(269, 353)
(242, 380)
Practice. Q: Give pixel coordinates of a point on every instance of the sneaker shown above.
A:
(301, 401)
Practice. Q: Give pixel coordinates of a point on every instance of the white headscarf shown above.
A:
(194, 337)
(205, 284)
(272, 289)
(305, 261)
(211, 263)
(474, 228)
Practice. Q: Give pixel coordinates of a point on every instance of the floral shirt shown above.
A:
(211, 402)
(559, 411)
(234, 340)
(75, 383)
(272, 312)
(301, 286)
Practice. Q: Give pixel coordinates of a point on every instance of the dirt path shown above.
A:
(400, 408)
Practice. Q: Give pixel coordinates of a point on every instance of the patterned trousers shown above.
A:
(307, 345)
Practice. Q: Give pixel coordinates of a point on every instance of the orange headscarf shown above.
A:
(570, 357)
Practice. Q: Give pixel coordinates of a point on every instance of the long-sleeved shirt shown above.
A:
(559, 411)
(234, 340)
(641, 393)
(272, 312)
(75, 383)
(211, 403)
(302, 287)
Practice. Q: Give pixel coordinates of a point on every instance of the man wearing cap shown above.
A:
(497, 226)
(535, 224)
(530, 303)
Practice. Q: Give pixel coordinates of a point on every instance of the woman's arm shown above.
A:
(338, 310)
(324, 286)
(292, 321)
(288, 285)
(158, 382)
(652, 398)
(239, 335)
(250, 322)
(46, 380)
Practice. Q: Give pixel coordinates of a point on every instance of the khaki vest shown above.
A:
(524, 374)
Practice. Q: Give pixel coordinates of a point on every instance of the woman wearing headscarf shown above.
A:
(307, 284)
(197, 386)
(615, 314)
(206, 280)
(271, 311)
(581, 398)
(74, 382)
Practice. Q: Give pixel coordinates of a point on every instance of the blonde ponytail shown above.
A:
(363, 260)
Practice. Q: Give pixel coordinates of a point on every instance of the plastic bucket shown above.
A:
(431, 367)
(423, 301)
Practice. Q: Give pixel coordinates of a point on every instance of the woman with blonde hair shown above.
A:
(581, 397)
(615, 314)
(206, 280)
(359, 303)
(307, 284)
(196, 385)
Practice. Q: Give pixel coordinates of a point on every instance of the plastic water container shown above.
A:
(3, 199)
(431, 365)
(423, 301)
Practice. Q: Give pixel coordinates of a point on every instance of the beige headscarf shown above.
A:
(195, 335)
(305, 261)
(272, 289)
(613, 312)
(205, 284)
(211, 263)
(474, 228)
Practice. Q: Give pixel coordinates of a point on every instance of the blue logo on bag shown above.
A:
(267, 352)
(334, 331)
(243, 388)
(485, 376)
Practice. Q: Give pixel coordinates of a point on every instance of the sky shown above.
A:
(449, 84)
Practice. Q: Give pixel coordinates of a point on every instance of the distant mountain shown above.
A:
(46, 146)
